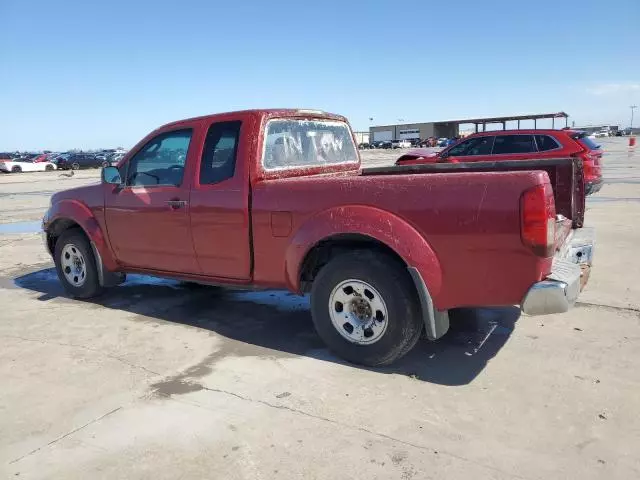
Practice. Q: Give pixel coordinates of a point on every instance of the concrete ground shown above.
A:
(155, 380)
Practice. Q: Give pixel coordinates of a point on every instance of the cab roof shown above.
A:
(265, 113)
(523, 131)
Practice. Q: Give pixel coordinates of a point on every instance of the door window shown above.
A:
(161, 161)
(473, 146)
(219, 155)
(545, 143)
(514, 144)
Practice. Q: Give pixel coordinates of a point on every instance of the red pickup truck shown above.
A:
(277, 199)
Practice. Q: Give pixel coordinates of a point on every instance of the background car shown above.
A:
(400, 144)
(519, 145)
(28, 165)
(43, 157)
(75, 161)
(114, 158)
(364, 146)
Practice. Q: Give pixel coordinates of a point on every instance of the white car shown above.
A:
(400, 144)
(601, 133)
(18, 166)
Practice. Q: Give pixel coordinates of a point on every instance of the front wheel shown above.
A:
(75, 166)
(76, 265)
(365, 308)
(16, 169)
(49, 168)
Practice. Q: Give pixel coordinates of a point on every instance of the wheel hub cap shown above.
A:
(73, 265)
(358, 312)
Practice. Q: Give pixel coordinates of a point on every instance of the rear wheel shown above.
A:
(49, 168)
(16, 169)
(365, 308)
(75, 166)
(76, 265)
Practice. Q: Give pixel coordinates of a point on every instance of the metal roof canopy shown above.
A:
(504, 120)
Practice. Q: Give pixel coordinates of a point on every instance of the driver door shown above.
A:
(148, 216)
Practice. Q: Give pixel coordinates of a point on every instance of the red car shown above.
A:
(519, 145)
(43, 157)
(277, 199)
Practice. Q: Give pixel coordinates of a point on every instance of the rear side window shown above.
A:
(545, 143)
(473, 146)
(514, 144)
(219, 156)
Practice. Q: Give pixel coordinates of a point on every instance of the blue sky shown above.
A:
(80, 74)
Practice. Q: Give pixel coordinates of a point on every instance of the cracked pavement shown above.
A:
(160, 380)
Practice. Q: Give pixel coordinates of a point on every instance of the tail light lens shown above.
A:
(538, 220)
(591, 165)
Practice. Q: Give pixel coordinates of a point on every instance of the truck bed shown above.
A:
(565, 174)
(469, 221)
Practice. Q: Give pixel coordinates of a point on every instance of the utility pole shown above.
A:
(632, 107)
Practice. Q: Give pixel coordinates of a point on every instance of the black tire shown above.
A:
(16, 169)
(75, 166)
(394, 285)
(49, 168)
(91, 286)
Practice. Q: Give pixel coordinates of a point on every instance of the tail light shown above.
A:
(538, 220)
(591, 165)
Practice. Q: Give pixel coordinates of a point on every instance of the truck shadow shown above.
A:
(275, 323)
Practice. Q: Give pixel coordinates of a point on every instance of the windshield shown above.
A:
(307, 143)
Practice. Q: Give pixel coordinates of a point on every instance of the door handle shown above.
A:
(176, 204)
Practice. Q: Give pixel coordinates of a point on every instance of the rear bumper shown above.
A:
(570, 272)
(593, 187)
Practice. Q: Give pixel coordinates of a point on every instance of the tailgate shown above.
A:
(565, 175)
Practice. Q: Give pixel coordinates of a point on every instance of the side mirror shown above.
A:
(111, 175)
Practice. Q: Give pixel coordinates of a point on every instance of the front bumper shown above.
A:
(570, 272)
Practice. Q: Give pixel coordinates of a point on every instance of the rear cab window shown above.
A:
(296, 143)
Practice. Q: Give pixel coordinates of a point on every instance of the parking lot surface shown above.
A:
(160, 380)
